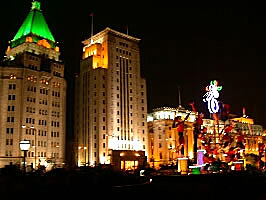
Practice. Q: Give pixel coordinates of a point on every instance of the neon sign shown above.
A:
(211, 95)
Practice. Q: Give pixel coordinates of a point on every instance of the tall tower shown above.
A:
(33, 95)
(111, 102)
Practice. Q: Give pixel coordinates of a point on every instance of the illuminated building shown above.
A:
(216, 136)
(110, 102)
(163, 139)
(33, 95)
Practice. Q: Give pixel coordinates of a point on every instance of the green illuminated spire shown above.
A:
(34, 25)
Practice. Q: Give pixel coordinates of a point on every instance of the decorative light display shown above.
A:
(211, 96)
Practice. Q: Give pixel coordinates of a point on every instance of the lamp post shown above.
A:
(85, 149)
(79, 155)
(24, 146)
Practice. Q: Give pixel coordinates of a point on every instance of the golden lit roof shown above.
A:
(109, 30)
(244, 120)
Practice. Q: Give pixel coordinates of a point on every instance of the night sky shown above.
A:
(181, 45)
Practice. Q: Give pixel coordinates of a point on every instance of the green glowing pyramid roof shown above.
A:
(34, 24)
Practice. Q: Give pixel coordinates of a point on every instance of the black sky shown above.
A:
(185, 45)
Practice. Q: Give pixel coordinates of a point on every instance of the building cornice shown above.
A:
(105, 32)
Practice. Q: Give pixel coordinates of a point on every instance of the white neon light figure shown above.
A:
(211, 96)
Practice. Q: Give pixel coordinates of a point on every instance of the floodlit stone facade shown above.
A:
(111, 102)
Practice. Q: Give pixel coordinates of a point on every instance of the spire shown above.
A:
(34, 26)
(179, 98)
(36, 5)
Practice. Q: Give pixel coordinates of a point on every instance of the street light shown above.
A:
(85, 148)
(24, 146)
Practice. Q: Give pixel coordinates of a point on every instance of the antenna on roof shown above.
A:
(127, 29)
(91, 15)
(179, 97)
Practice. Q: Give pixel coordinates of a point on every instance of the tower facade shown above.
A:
(111, 105)
(33, 95)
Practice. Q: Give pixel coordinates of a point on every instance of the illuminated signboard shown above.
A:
(211, 96)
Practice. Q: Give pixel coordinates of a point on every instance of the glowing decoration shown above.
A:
(211, 96)
(200, 157)
(34, 26)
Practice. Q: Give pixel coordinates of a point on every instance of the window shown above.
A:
(10, 119)
(11, 108)
(11, 97)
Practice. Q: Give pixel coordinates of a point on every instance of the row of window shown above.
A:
(10, 119)
(10, 130)
(30, 131)
(30, 120)
(11, 86)
(55, 104)
(10, 108)
(43, 112)
(122, 51)
(9, 141)
(31, 89)
(55, 93)
(54, 134)
(55, 124)
(54, 144)
(40, 143)
(123, 44)
(43, 101)
(57, 73)
(42, 154)
(34, 67)
(11, 97)
(44, 91)
(55, 114)
(31, 99)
